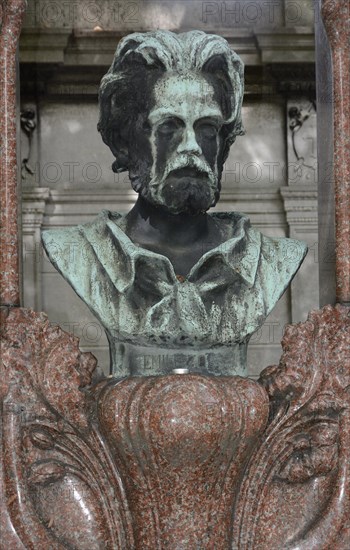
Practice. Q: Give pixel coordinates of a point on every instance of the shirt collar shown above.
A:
(240, 253)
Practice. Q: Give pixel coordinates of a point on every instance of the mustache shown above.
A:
(186, 161)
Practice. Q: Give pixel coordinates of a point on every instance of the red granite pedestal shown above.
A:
(179, 461)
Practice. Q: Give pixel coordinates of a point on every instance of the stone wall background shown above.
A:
(271, 175)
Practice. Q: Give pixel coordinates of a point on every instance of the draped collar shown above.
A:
(122, 259)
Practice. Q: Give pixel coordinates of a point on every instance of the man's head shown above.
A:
(170, 107)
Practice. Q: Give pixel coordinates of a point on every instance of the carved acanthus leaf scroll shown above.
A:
(61, 489)
(296, 491)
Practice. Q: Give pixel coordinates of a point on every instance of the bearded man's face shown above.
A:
(175, 152)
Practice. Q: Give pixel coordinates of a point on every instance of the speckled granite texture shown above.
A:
(180, 444)
(336, 17)
(11, 16)
(175, 461)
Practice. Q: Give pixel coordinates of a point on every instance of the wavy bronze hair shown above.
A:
(141, 59)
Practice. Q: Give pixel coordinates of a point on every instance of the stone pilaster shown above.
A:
(300, 203)
(33, 211)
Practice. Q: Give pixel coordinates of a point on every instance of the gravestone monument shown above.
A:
(176, 451)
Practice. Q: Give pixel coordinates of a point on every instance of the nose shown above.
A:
(189, 143)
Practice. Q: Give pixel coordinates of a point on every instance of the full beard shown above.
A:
(188, 186)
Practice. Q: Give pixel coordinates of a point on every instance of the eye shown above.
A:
(169, 127)
(208, 130)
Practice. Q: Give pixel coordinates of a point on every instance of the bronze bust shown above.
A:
(173, 285)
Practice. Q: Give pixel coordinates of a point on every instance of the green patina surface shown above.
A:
(174, 286)
(148, 313)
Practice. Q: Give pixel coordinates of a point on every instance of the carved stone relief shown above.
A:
(302, 145)
(185, 461)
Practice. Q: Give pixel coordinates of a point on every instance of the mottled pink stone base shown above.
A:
(180, 444)
(179, 461)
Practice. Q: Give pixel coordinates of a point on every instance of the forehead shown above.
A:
(186, 96)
